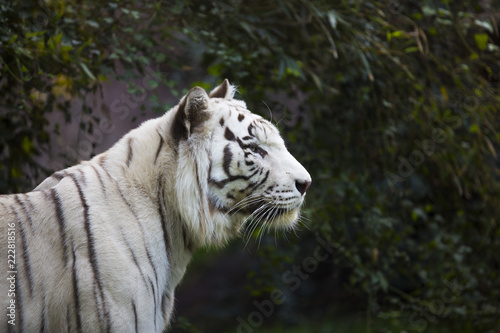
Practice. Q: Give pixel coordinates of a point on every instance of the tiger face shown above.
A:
(251, 171)
(251, 176)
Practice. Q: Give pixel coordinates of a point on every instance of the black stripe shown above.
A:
(58, 175)
(178, 128)
(255, 185)
(209, 166)
(204, 222)
(229, 135)
(26, 257)
(224, 182)
(61, 220)
(261, 182)
(155, 273)
(82, 174)
(102, 161)
(154, 300)
(255, 148)
(159, 148)
(19, 305)
(165, 304)
(166, 236)
(99, 306)
(142, 231)
(163, 221)
(226, 160)
(241, 116)
(92, 251)
(25, 210)
(251, 129)
(100, 181)
(187, 242)
(135, 316)
(76, 293)
(27, 200)
(44, 314)
(221, 121)
(134, 258)
(68, 319)
(130, 154)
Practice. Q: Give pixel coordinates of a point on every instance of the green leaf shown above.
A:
(397, 34)
(481, 41)
(87, 71)
(27, 145)
(16, 173)
(411, 49)
(30, 35)
(12, 39)
(474, 128)
(57, 39)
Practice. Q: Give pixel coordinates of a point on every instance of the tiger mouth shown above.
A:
(264, 209)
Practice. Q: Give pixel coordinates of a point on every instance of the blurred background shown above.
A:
(392, 106)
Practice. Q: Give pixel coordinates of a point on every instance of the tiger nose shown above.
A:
(302, 185)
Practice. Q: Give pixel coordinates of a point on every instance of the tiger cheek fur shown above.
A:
(101, 246)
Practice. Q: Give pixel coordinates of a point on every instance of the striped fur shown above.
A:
(101, 246)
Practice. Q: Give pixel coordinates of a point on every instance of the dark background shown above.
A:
(392, 106)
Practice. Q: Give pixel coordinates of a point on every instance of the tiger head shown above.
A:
(244, 172)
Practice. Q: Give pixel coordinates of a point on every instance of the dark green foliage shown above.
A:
(391, 105)
(55, 52)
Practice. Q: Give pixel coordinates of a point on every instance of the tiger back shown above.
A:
(101, 246)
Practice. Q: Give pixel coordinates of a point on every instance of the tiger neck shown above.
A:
(143, 164)
(170, 180)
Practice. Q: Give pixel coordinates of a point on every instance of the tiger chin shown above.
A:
(101, 246)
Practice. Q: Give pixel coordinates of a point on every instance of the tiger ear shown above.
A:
(224, 90)
(191, 113)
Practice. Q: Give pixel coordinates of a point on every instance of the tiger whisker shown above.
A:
(255, 217)
(247, 204)
(271, 212)
(273, 216)
(242, 201)
(261, 216)
(251, 199)
(300, 222)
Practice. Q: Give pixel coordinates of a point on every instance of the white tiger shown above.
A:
(101, 246)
